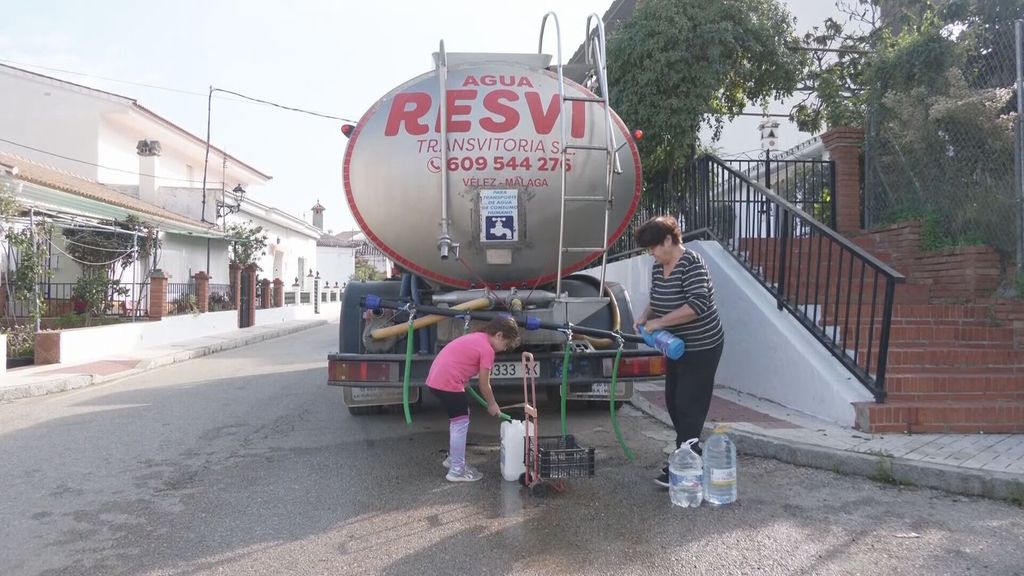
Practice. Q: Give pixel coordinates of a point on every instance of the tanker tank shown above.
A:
(503, 170)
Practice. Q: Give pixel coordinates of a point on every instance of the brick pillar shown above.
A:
(47, 347)
(157, 294)
(843, 145)
(234, 280)
(265, 296)
(278, 293)
(250, 271)
(203, 291)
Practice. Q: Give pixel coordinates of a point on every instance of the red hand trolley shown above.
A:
(549, 460)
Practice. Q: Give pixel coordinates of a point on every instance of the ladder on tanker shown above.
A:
(594, 48)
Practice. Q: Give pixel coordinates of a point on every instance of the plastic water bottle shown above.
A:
(719, 468)
(665, 342)
(510, 459)
(684, 476)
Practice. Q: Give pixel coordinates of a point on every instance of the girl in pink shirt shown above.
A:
(467, 356)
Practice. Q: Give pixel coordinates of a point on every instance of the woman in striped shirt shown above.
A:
(683, 302)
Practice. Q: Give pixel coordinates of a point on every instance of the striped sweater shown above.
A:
(688, 283)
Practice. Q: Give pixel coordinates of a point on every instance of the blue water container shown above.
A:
(665, 342)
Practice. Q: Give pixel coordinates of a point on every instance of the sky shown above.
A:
(333, 57)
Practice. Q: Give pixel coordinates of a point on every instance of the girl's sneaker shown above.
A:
(446, 462)
(467, 474)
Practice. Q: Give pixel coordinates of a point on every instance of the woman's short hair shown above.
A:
(654, 231)
(503, 325)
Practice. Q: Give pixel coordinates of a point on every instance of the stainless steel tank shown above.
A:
(503, 170)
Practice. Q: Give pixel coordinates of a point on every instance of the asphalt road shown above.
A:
(245, 462)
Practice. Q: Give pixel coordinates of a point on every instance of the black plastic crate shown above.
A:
(562, 457)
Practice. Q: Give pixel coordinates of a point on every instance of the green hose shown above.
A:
(565, 382)
(615, 418)
(408, 371)
(474, 394)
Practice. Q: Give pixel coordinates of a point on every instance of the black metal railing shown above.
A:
(133, 299)
(220, 298)
(181, 298)
(808, 184)
(59, 299)
(837, 291)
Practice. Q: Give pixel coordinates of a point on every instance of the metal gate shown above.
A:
(245, 304)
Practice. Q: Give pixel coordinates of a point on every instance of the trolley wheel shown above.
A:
(539, 490)
(522, 479)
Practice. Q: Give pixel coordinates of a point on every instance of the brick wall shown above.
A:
(962, 274)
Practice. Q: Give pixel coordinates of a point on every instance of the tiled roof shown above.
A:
(333, 242)
(50, 177)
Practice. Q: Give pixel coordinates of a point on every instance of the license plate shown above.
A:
(512, 370)
(602, 391)
(372, 396)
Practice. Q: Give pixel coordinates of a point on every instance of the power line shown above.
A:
(243, 97)
(283, 107)
(133, 172)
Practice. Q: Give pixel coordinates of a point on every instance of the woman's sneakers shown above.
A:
(467, 474)
(662, 479)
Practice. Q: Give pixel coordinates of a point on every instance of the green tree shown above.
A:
(104, 253)
(365, 271)
(931, 81)
(248, 244)
(679, 64)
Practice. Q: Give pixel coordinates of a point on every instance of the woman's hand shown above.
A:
(652, 325)
(493, 409)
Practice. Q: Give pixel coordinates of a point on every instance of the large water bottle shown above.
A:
(513, 449)
(719, 468)
(665, 342)
(684, 476)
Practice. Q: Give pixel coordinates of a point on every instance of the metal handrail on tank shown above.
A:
(611, 153)
(561, 128)
(598, 59)
(444, 241)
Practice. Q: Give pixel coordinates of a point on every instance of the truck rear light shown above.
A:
(359, 371)
(635, 367)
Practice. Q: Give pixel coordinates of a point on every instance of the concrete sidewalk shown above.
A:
(48, 379)
(990, 465)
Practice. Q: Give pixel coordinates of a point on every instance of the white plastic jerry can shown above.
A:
(513, 449)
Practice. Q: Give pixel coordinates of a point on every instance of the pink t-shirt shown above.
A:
(459, 361)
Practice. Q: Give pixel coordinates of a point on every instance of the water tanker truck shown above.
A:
(492, 199)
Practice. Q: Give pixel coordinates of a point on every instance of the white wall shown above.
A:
(44, 115)
(767, 354)
(329, 311)
(182, 256)
(336, 263)
(80, 344)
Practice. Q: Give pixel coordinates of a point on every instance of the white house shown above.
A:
(110, 139)
(69, 201)
(291, 253)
